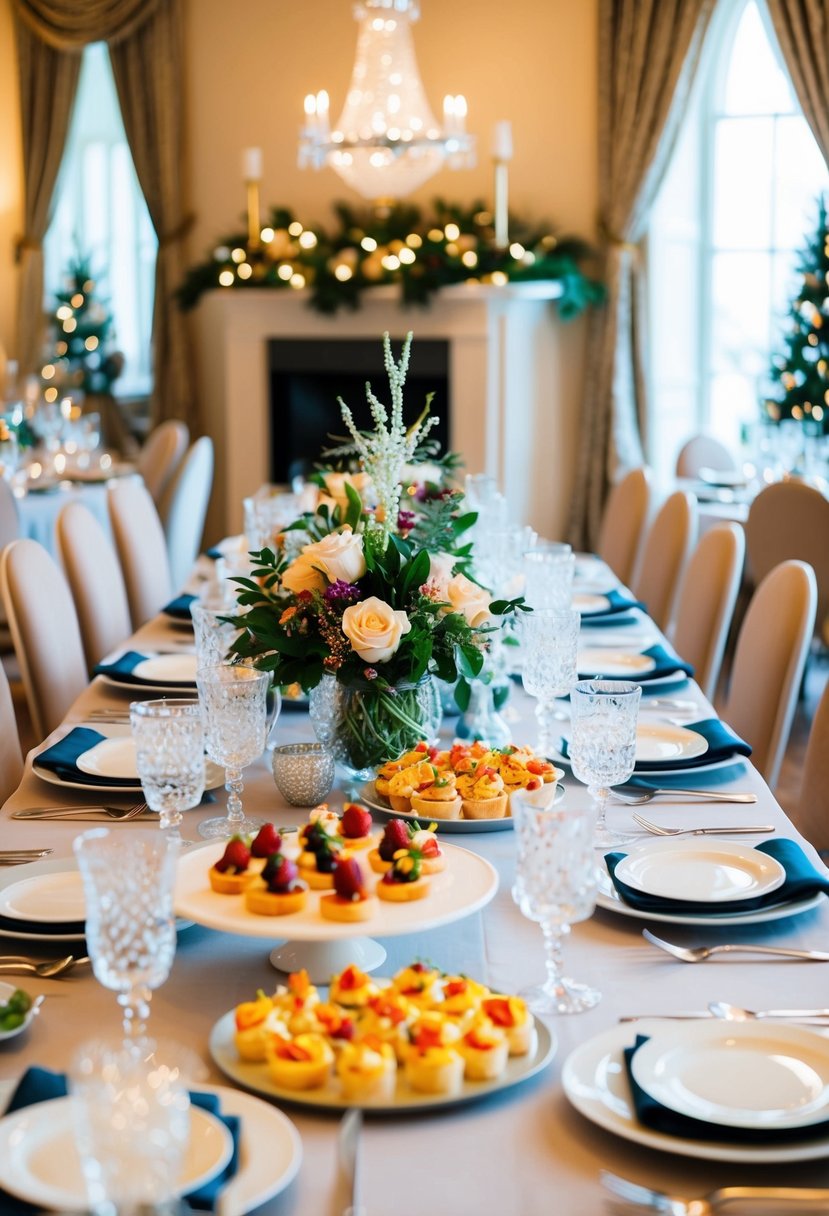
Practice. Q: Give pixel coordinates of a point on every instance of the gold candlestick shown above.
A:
(254, 225)
(501, 203)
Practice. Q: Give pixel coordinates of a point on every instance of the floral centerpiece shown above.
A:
(360, 613)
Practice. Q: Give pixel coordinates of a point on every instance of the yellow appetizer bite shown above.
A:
(481, 787)
(231, 874)
(440, 799)
(419, 984)
(282, 892)
(252, 1020)
(510, 1014)
(350, 901)
(408, 782)
(367, 1070)
(404, 882)
(484, 1050)
(388, 1016)
(461, 996)
(300, 1063)
(352, 988)
(432, 1064)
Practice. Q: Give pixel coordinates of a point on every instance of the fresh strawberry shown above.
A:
(348, 880)
(356, 821)
(539, 767)
(279, 873)
(422, 746)
(396, 836)
(430, 848)
(535, 784)
(267, 841)
(235, 857)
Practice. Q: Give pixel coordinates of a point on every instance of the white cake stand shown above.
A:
(323, 947)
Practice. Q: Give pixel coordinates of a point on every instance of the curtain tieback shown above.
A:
(178, 233)
(25, 244)
(617, 242)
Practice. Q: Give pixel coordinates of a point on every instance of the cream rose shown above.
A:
(335, 484)
(301, 576)
(440, 570)
(339, 555)
(374, 629)
(470, 599)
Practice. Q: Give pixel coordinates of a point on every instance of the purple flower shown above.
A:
(370, 673)
(405, 521)
(340, 590)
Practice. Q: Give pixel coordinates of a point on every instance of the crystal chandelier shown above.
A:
(387, 141)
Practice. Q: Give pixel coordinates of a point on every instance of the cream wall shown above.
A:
(250, 63)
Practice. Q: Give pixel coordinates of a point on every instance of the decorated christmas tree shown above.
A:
(80, 357)
(800, 373)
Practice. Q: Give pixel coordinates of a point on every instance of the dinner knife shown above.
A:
(350, 1160)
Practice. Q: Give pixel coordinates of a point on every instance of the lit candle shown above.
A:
(502, 141)
(322, 114)
(252, 164)
(449, 123)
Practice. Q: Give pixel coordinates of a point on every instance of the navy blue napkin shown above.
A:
(653, 1114)
(40, 1085)
(801, 882)
(618, 603)
(666, 663)
(62, 759)
(180, 607)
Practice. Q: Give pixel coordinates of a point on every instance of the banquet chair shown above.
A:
(141, 548)
(623, 519)
(703, 452)
(184, 507)
(769, 659)
(94, 575)
(812, 815)
(790, 519)
(45, 632)
(705, 602)
(11, 757)
(9, 531)
(665, 551)
(161, 455)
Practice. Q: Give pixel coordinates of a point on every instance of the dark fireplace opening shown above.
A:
(307, 375)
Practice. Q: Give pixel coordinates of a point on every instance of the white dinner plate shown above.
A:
(328, 1097)
(730, 478)
(709, 872)
(467, 884)
(6, 991)
(609, 899)
(740, 1074)
(596, 1084)
(42, 1163)
(270, 1148)
(54, 899)
(625, 664)
(110, 758)
(167, 669)
(589, 604)
(114, 757)
(657, 744)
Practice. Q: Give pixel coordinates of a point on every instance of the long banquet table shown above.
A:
(525, 1152)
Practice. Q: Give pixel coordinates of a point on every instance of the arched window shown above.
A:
(100, 212)
(737, 201)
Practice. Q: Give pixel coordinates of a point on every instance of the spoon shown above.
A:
(48, 970)
(735, 1013)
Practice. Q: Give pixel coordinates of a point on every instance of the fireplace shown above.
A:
(307, 376)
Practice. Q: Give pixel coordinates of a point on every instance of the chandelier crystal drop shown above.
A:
(387, 141)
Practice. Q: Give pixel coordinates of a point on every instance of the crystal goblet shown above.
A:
(549, 650)
(234, 704)
(604, 717)
(169, 752)
(130, 928)
(555, 885)
(548, 575)
(213, 633)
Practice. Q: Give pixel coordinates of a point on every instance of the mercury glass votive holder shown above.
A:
(303, 772)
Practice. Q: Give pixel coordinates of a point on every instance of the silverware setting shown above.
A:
(634, 795)
(138, 809)
(657, 829)
(698, 954)
(21, 857)
(736, 1013)
(349, 1155)
(14, 964)
(802, 1198)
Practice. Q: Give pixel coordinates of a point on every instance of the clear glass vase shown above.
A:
(365, 725)
(481, 719)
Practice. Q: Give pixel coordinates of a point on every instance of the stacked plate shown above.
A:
(45, 904)
(108, 765)
(722, 1091)
(154, 673)
(664, 750)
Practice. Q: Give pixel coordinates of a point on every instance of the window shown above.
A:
(736, 204)
(100, 211)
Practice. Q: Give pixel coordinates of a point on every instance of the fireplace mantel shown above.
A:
(504, 384)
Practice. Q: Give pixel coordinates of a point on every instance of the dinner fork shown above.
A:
(657, 829)
(812, 1199)
(697, 954)
(81, 812)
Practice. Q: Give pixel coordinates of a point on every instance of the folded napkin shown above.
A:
(617, 602)
(801, 882)
(661, 1118)
(180, 607)
(62, 759)
(666, 663)
(723, 743)
(39, 1085)
(215, 553)
(123, 668)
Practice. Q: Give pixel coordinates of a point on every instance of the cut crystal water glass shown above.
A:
(604, 716)
(169, 752)
(234, 707)
(549, 650)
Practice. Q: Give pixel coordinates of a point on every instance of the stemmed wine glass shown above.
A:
(549, 654)
(555, 885)
(234, 705)
(169, 752)
(604, 717)
(130, 928)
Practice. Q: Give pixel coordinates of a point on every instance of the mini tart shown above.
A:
(403, 892)
(367, 1071)
(263, 902)
(510, 1014)
(430, 863)
(334, 907)
(377, 864)
(231, 884)
(401, 803)
(352, 988)
(418, 984)
(484, 1050)
(461, 997)
(251, 1020)
(437, 808)
(434, 1070)
(300, 1063)
(485, 808)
